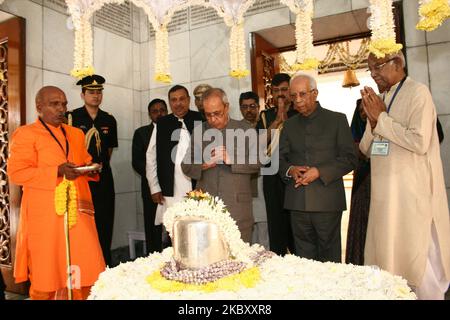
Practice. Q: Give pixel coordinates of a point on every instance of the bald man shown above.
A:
(42, 155)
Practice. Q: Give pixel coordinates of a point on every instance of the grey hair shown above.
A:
(301, 74)
(218, 92)
(399, 55)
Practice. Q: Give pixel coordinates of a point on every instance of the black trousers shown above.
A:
(153, 234)
(103, 197)
(278, 222)
(317, 235)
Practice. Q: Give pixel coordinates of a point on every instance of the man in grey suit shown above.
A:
(224, 167)
(316, 151)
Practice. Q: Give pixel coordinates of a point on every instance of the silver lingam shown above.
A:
(198, 243)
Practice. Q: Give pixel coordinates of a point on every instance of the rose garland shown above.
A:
(304, 10)
(432, 14)
(382, 26)
(66, 200)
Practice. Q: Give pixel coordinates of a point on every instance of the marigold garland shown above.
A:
(66, 200)
(245, 279)
(432, 14)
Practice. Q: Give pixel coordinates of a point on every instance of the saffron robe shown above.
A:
(40, 248)
(407, 186)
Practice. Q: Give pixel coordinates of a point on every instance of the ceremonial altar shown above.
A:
(208, 260)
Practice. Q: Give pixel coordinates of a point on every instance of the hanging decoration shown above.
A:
(432, 14)
(232, 11)
(383, 31)
(81, 12)
(160, 13)
(303, 10)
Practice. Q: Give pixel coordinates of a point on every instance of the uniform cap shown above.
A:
(94, 82)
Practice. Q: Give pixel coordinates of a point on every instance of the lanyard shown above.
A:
(394, 95)
(56, 139)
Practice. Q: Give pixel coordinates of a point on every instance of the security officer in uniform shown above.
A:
(100, 129)
(278, 222)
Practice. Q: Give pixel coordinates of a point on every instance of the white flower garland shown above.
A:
(432, 14)
(287, 278)
(304, 10)
(214, 210)
(162, 67)
(233, 15)
(383, 30)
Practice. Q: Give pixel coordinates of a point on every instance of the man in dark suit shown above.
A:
(157, 108)
(316, 151)
(168, 144)
(272, 119)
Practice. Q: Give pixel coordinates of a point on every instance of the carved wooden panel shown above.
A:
(5, 231)
(12, 115)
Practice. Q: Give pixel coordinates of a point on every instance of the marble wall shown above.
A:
(197, 55)
(49, 59)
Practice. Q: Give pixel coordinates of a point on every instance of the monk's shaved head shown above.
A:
(43, 93)
(51, 105)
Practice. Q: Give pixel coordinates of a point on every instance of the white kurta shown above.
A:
(182, 183)
(407, 187)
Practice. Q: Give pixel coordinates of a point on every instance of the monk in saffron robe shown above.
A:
(42, 154)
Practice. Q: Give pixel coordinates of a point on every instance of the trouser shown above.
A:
(317, 235)
(434, 285)
(278, 223)
(103, 197)
(61, 294)
(260, 234)
(153, 234)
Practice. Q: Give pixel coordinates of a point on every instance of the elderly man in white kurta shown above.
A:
(409, 229)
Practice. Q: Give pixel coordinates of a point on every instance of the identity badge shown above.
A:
(380, 148)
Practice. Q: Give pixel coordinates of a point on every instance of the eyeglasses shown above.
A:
(216, 114)
(302, 95)
(282, 89)
(252, 106)
(378, 67)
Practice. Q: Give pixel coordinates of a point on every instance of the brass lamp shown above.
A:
(350, 79)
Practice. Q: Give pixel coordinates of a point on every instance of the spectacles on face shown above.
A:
(378, 67)
(302, 95)
(278, 90)
(252, 106)
(216, 115)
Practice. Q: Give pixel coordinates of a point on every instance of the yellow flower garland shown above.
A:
(66, 200)
(308, 64)
(247, 279)
(381, 47)
(433, 14)
(382, 25)
(81, 73)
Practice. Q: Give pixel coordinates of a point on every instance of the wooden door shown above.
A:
(264, 64)
(12, 115)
